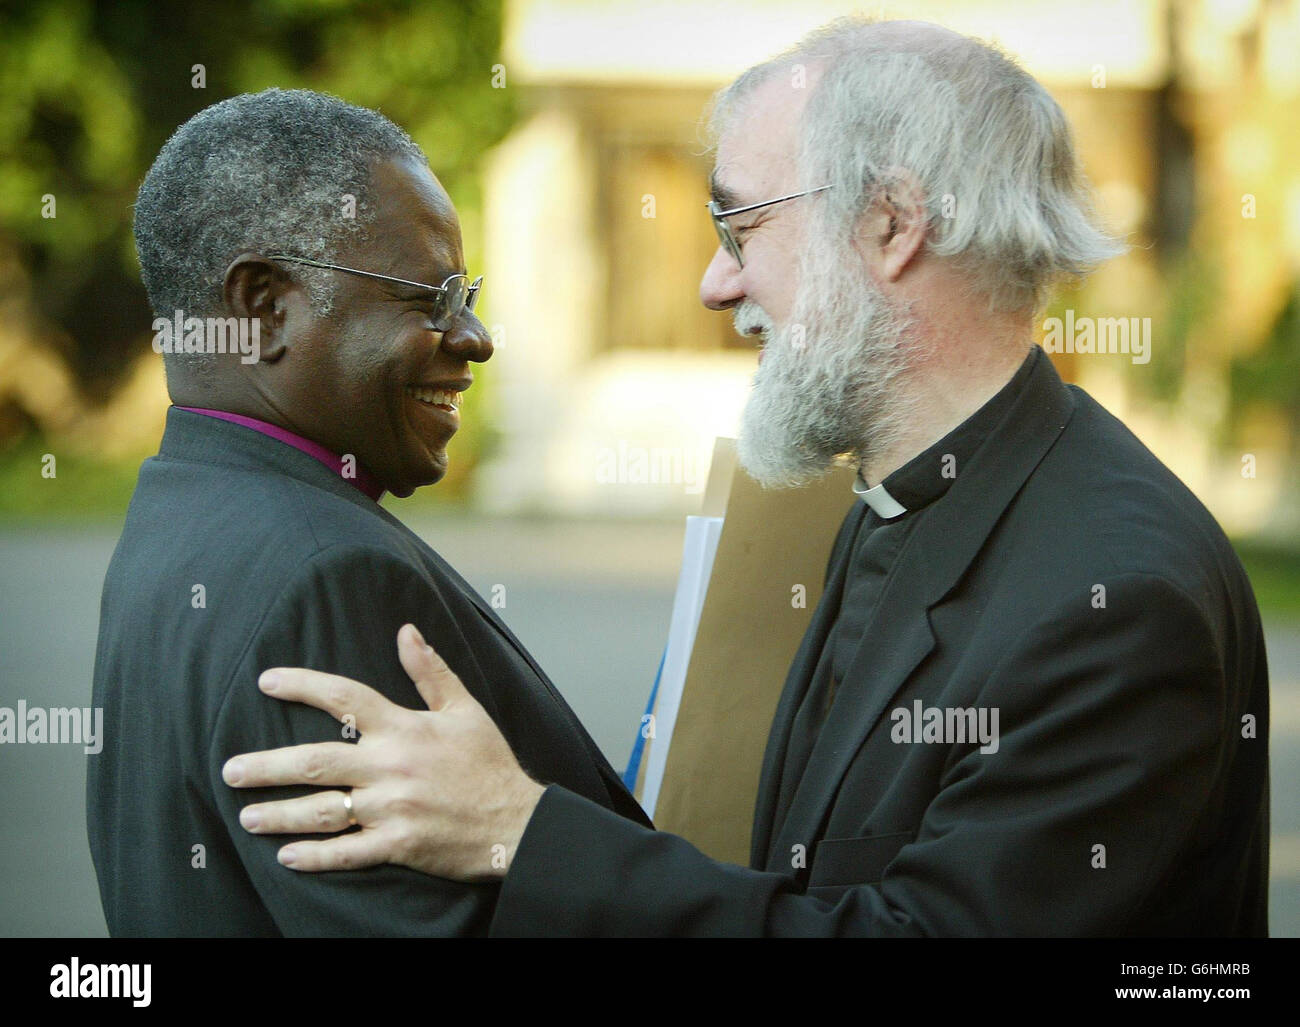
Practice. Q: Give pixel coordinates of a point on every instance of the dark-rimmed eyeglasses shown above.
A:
(727, 237)
(456, 294)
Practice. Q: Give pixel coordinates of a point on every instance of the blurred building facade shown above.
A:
(611, 380)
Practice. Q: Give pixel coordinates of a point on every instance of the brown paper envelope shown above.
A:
(754, 617)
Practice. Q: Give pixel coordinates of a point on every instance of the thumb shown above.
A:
(435, 681)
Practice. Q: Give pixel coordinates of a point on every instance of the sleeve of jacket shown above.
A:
(1111, 726)
(340, 613)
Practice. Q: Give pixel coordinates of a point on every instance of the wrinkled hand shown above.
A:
(438, 791)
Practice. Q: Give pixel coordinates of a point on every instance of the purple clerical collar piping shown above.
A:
(353, 472)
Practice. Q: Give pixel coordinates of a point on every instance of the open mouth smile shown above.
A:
(443, 399)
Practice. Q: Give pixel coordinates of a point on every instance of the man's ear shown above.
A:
(893, 230)
(257, 287)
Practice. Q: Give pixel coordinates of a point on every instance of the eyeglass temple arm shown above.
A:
(355, 271)
(768, 203)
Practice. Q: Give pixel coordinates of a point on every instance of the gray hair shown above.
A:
(990, 150)
(266, 172)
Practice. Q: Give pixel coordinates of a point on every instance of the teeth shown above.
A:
(435, 397)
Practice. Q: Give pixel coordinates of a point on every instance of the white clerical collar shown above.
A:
(879, 499)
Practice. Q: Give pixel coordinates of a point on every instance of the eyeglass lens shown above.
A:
(724, 235)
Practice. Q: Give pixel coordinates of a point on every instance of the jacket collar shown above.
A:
(209, 440)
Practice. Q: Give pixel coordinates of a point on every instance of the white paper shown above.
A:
(698, 551)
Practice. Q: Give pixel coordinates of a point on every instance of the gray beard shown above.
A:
(825, 386)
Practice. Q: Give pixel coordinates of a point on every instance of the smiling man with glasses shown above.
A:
(256, 533)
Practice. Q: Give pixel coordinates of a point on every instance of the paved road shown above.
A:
(608, 586)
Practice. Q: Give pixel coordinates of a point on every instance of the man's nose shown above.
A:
(720, 287)
(467, 339)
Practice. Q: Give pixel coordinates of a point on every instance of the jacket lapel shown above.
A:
(937, 554)
(900, 640)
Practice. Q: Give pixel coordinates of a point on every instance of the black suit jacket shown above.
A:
(241, 553)
(1067, 580)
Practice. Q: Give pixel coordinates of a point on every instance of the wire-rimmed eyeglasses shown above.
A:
(727, 237)
(454, 295)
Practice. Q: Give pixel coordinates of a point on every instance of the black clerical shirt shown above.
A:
(896, 507)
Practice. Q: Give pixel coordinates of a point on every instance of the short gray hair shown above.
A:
(266, 172)
(992, 152)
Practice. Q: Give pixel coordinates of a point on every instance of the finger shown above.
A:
(321, 763)
(346, 852)
(436, 682)
(340, 697)
(318, 813)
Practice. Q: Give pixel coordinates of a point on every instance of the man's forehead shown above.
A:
(416, 224)
(746, 166)
(756, 153)
(409, 181)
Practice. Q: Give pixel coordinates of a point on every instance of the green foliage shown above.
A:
(1271, 375)
(82, 486)
(92, 90)
(1274, 573)
(1190, 294)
